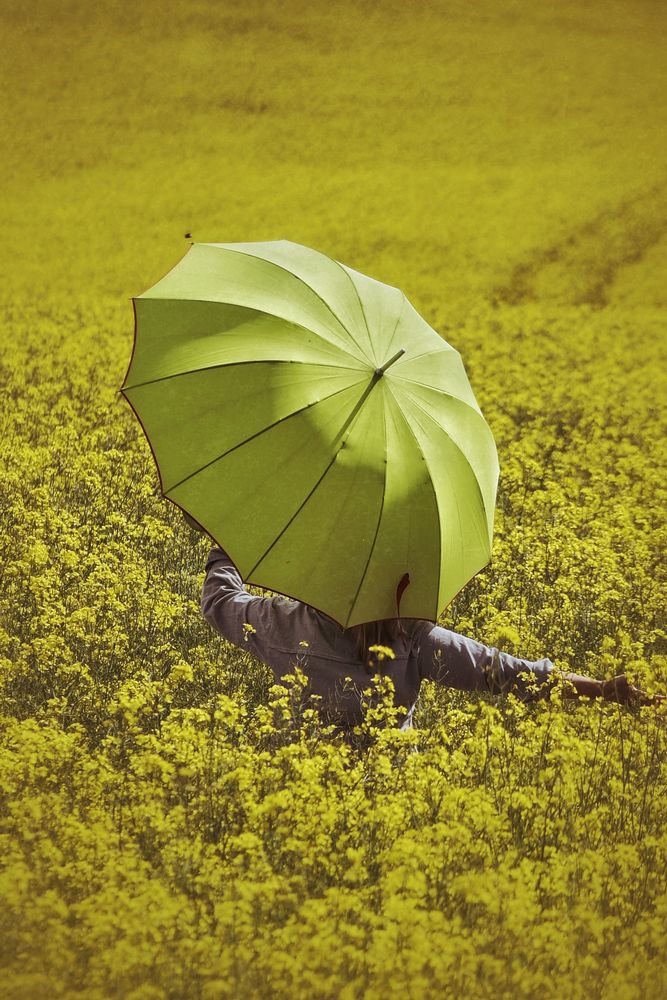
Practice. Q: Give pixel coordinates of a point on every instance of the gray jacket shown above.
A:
(283, 633)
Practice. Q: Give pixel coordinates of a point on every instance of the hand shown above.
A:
(620, 689)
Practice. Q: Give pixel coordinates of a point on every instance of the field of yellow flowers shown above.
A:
(171, 826)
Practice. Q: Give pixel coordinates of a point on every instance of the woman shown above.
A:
(339, 662)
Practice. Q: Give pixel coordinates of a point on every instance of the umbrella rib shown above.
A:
(234, 364)
(303, 282)
(269, 427)
(399, 317)
(458, 448)
(442, 392)
(379, 522)
(399, 409)
(294, 515)
(439, 350)
(264, 312)
(361, 305)
(337, 440)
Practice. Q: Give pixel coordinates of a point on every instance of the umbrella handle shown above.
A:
(403, 583)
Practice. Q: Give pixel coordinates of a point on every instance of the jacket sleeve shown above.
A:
(245, 620)
(224, 597)
(456, 661)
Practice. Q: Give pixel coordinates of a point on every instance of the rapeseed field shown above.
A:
(172, 826)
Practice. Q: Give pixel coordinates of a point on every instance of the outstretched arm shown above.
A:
(224, 599)
(456, 661)
(459, 662)
(268, 627)
(225, 603)
(617, 689)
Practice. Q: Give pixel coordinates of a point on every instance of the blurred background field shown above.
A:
(504, 164)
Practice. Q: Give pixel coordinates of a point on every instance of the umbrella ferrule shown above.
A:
(379, 372)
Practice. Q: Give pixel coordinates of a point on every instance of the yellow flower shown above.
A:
(383, 652)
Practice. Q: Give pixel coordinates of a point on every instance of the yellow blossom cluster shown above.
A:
(172, 825)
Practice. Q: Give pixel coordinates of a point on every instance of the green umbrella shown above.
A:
(317, 427)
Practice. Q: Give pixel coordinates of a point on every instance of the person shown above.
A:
(339, 662)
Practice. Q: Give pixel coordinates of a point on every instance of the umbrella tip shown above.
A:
(187, 236)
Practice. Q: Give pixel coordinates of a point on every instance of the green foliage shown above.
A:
(173, 826)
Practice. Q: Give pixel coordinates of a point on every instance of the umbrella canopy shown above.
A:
(318, 428)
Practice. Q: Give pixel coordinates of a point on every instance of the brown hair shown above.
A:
(381, 633)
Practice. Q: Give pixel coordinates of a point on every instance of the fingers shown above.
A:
(651, 699)
(640, 697)
(620, 690)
